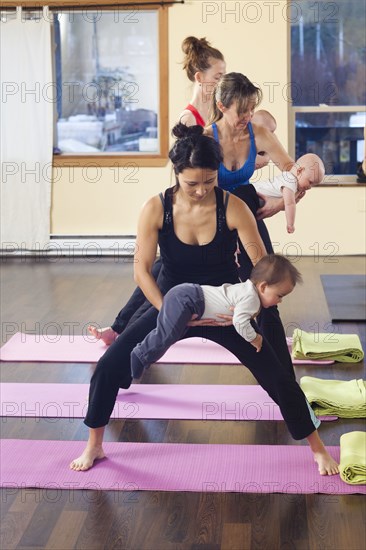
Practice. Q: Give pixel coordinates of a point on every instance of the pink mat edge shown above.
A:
(230, 388)
(91, 359)
(319, 485)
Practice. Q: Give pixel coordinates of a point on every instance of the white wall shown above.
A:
(329, 221)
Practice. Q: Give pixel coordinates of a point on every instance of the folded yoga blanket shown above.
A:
(345, 348)
(345, 399)
(352, 467)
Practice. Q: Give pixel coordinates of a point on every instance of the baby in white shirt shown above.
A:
(307, 171)
(272, 278)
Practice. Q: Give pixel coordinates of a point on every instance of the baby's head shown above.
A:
(265, 119)
(274, 277)
(309, 170)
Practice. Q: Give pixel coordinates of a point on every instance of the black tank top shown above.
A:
(210, 264)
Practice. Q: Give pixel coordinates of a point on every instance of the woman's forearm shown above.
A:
(148, 285)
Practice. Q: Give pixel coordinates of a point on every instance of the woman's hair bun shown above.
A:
(193, 149)
(192, 43)
(181, 131)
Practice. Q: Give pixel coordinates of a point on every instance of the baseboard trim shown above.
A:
(71, 245)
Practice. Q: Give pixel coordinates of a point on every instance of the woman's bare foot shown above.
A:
(107, 335)
(326, 464)
(86, 460)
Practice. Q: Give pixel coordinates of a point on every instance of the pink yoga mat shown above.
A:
(170, 467)
(84, 349)
(61, 349)
(163, 401)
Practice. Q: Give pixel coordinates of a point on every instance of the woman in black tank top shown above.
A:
(214, 261)
(196, 226)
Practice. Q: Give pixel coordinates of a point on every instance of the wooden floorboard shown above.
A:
(63, 295)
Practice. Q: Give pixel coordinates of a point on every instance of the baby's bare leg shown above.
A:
(92, 451)
(326, 464)
(107, 334)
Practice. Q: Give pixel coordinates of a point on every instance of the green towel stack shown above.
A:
(352, 467)
(345, 348)
(335, 397)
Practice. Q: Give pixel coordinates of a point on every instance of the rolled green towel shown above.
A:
(345, 348)
(345, 399)
(352, 467)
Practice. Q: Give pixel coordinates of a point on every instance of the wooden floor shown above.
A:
(63, 296)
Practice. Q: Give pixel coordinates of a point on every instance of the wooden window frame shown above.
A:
(330, 179)
(117, 159)
(334, 180)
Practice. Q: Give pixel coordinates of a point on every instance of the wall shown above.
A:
(254, 38)
(329, 221)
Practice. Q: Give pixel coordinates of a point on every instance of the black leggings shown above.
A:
(114, 371)
(269, 319)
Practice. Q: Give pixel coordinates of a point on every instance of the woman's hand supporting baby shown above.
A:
(270, 207)
(227, 320)
(257, 342)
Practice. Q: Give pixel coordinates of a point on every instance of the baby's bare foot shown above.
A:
(86, 460)
(326, 464)
(107, 335)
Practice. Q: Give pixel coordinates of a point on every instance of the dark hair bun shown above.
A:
(191, 43)
(193, 149)
(181, 131)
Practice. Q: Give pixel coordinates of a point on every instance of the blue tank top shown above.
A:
(231, 179)
(211, 264)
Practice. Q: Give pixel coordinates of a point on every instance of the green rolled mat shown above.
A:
(345, 348)
(352, 467)
(345, 399)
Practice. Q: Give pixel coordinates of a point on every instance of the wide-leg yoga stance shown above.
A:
(211, 264)
(197, 229)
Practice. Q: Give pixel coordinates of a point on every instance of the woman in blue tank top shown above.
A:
(196, 224)
(234, 100)
(231, 179)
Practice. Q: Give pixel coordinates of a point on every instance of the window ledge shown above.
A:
(77, 161)
(339, 182)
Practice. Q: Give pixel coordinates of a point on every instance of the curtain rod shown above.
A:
(121, 4)
(76, 6)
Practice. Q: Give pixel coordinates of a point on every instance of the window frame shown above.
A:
(118, 159)
(331, 180)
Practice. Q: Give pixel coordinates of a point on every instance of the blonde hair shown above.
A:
(198, 52)
(233, 87)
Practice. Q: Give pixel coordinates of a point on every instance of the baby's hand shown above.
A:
(257, 342)
(290, 229)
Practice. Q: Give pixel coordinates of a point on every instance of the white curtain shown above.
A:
(26, 111)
